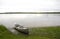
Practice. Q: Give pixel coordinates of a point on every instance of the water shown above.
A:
(30, 20)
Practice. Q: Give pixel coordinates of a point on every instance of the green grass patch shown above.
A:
(35, 33)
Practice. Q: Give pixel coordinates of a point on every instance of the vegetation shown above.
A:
(35, 33)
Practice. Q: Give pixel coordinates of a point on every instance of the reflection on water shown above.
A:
(30, 20)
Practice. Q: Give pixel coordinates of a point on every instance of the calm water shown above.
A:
(30, 20)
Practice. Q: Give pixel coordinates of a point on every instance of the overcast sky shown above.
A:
(29, 5)
(28, 20)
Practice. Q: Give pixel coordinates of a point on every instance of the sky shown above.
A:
(29, 5)
(30, 20)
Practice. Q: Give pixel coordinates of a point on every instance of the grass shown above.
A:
(35, 33)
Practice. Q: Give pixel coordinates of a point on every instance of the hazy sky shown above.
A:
(29, 5)
(30, 19)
